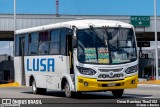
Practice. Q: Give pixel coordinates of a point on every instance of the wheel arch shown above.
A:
(64, 80)
(70, 82)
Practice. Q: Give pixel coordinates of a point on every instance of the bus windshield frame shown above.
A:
(106, 45)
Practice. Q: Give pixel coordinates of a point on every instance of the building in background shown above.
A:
(6, 69)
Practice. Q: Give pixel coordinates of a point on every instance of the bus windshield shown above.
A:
(106, 45)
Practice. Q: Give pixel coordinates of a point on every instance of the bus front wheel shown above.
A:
(67, 90)
(36, 90)
(118, 93)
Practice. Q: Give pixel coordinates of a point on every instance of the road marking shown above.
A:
(130, 96)
(148, 85)
(149, 97)
(139, 96)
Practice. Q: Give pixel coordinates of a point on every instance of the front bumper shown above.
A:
(90, 84)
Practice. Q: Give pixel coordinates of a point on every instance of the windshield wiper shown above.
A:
(92, 28)
(106, 38)
(94, 31)
(118, 41)
(105, 28)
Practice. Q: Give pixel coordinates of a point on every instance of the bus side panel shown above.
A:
(53, 82)
(32, 68)
(40, 81)
(47, 70)
(28, 79)
(17, 67)
(61, 70)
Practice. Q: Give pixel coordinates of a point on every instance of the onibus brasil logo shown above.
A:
(18, 102)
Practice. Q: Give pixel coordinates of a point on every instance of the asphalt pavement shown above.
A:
(143, 91)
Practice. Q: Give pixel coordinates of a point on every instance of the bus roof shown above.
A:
(80, 24)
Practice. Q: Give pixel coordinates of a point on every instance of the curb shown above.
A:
(15, 84)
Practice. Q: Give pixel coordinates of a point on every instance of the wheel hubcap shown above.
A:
(34, 86)
(67, 90)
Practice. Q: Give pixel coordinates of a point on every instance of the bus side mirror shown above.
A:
(74, 41)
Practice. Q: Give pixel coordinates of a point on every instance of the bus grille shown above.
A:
(110, 80)
(114, 70)
(107, 76)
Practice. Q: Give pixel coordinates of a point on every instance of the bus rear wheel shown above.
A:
(118, 93)
(36, 90)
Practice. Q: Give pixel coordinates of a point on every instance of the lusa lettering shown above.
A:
(41, 64)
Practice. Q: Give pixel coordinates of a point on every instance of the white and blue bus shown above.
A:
(77, 56)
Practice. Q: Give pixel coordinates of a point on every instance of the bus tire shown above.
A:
(36, 90)
(67, 90)
(118, 93)
(42, 91)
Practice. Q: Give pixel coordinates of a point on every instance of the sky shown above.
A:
(82, 7)
(77, 7)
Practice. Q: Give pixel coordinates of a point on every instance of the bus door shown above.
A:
(22, 49)
(71, 44)
(70, 53)
(66, 48)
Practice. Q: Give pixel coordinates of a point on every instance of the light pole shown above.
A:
(14, 16)
(14, 26)
(156, 47)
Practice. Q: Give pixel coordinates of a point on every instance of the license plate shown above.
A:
(111, 84)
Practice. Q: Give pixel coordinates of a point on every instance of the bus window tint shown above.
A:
(43, 43)
(43, 48)
(43, 36)
(17, 46)
(63, 41)
(33, 44)
(55, 42)
(33, 38)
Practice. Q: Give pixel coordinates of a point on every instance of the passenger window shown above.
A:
(43, 43)
(63, 42)
(17, 46)
(55, 42)
(43, 36)
(33, 44)
(44, 48)
(33, 38)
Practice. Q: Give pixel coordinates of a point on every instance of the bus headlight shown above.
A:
(86, 71)
(132, 69)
